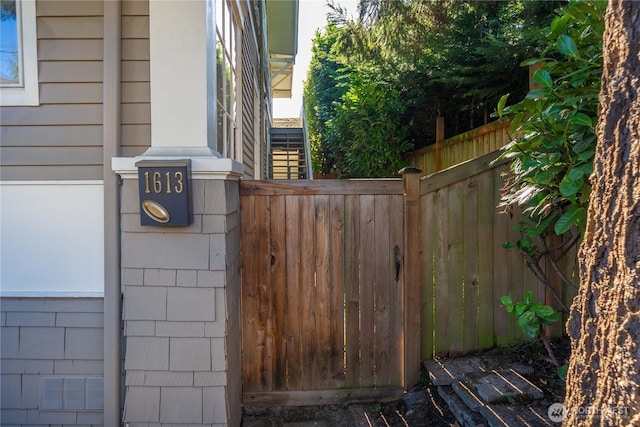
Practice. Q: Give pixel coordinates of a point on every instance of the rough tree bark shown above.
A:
(603, 382)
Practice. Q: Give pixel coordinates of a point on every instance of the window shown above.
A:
(227, 42)
(18, 53)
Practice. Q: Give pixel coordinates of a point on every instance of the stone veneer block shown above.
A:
(214, 193)
(180, 329)
(140, 328)
(13, 366)
(78, 367)
(13, 416)
(218, 354)
(146, 407)
(132, 276)
(191, 304)
(41, 343)
(84, 343)
(147, 353)
(31, 319)
(38, 366)
(209, 379)
(215, 407)
(90, 418)
(181, 405)
(159, 277)
(214, 224)
(11, 390)
(165, 250)
(145, 303)
(190, 354)
(58, 417)
(30, 388)
(86, 320)
(214, 329)
(178, 379)
(218, 245)
(187, 278)
(211, 279)
(10, 342)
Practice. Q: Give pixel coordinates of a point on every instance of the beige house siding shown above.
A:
(135, 86)
(61, 139)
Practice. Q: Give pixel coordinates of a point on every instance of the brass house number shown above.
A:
(163, 187)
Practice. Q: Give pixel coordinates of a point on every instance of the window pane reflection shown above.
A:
(10, 55)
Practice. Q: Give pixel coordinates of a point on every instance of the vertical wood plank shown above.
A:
(471, 280)
(427, 238)
(455, 265)
(337, 267)
(352, 290)
(487, 211)
(516, 265)
(384, 281)
(322, 365)
(396, 296)
(249, 295)
(308, 290)
(367, 279)
(294, 308)
(264, 337)
(278, 264)
(501, 319)
(441, 311)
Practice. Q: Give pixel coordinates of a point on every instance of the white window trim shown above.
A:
(29, 93)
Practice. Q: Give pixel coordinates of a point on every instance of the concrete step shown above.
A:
(505, 386)
(479, 396)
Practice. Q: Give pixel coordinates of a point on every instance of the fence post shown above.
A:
(411, 270)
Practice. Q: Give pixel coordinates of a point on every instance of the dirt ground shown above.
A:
(422, 406)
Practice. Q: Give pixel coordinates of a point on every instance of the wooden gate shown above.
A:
(324, 316)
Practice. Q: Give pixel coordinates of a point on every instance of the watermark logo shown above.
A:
(557, 412)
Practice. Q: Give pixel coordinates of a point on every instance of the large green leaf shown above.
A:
(568, 220)
(567, 46)
(543, 78)
(569, 187)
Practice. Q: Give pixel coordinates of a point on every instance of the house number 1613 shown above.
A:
(169, 183)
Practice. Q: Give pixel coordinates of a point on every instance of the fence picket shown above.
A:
(322, 315)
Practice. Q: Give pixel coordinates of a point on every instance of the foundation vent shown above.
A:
(71, 393)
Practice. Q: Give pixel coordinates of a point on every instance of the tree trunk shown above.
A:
(603, 382)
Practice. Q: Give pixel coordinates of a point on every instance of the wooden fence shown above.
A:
(324, 319)
(465, 269)
(323, 314)
(466, 146)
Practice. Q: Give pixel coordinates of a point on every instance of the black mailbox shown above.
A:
(165, 194)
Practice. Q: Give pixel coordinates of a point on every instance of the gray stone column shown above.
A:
(182, 304)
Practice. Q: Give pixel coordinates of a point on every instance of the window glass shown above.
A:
(10, 49)
(226, 74)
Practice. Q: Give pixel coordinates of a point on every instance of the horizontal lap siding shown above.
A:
(61, 138)
(135, 87)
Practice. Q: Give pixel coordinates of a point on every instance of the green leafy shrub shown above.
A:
(533, 317)
(552, 155)
(552, 158)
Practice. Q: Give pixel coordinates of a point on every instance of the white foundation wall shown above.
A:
(51, 238)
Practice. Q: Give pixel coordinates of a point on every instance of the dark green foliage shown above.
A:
(366, 131)
(432, 58)
(552, 158)
(531, 315)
